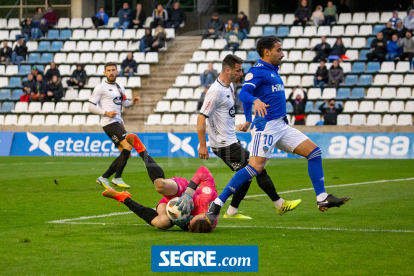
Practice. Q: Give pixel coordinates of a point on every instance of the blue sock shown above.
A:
(315, 170)
(237, 182)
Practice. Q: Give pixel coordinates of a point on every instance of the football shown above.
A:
(172, 210)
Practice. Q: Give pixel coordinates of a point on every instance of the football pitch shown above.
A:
(70, 228)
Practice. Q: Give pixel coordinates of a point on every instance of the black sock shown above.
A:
(112, 169)
(154, 171)
(240, 194)
(122, 161)
(143, 212)
(266, 184)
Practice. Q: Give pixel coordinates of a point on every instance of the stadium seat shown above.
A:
(191, 107)
(352, 54)
(396, 106)
(358, 18)
(389, 120)
(186, 93)
(303, 43)
(301, 68)
(65, 34)
(16, 94)
(93, 120)
(4, 81)
(343, 93)
(263, 19)
(153, 119)
(350, 80)
(329, 93)
(311, 120)
(344, 18)
(283, 31)
(289, 18)
(314, 94)
(373, 67)
(198, 56)
(5, 94)
(46, 58)
(310, 31)
(104, 34)
(116, 34)
(223, 54)
(289, 107)
(24, 120)
(405, 120)
(62, 23)
(324, 31)
(381, 106)
(61, 107)
(366, 106)
(395, 80)
(51, 120)
(7, 107)
(252, 56)
(289, 43)
(358, 67)
(293, 81)
(387, 67)
(343, 119)
(388, 93)
(351, 30)
(269, 30)
(48, 107)
(111, 22)
(287, 68)
(162, 106)
(351, 106)
(295, 56)
(276, 19)
(377, 28)
(12, 70)
(247, 44)
(91, 35)
(365, 80)
(182, 119)
(296, 31)
(33, 58)
(172, 93)
(372, 18)
(309, 107)
(358, 42)
(409, 80)
(87, 23)
(20, 107)
(52, 35)
(207, 44)
(358, 120)
(402, 67)
(363, 54)
(409, 107)
(37, 120)
(15, 82)
(255, 32)
(79, 120)
(385, 17)
(34, 107)
(80, 34)
(403, 93)
(65, 120)
(84, 94)
(10, 119)
(380, 80)
(72, 58)
(374, 120)
(358, 93)
(168, 119)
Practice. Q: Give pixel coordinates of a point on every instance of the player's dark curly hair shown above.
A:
(267, 42)
(200, 226)
(231, 61)
(110, 64)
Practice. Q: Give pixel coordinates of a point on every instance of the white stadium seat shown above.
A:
(182, 119)
(172, 93)
(296, 31)
(255, 32)
(20, 107)
(314, 94)
(388, 93)
(374, 120)
(402, 67)
(329, 93)
(168, 119)
(409, 107)
(34, 107)
(61, 107)
(193, 119)
(387, 67)
(287, 68)
(366, 106)
(381, 106)
(65, 120)
(358, 18)
(405, 120)
(372, 18)
(38, 120)
(75, 23)
(289, 18)
(151, 57)
(311, 120)
(380, 79)
(351, 30)
(91, 35)
(186, 93)
(351, 106)
(191, 107)
(78, 34)
(263, 19)
(51, 120)
(365, 30)
(397, 106)
(153, 119)
(310, 31)
(344, 119)
(389, 120)
(62, 23)
(358, 120)
(403, 93)
(75, 107)
(345, 18)
(338, 30)
(10, 119)
(79, 120)
(92, 120)
(87, 23)
(247, 44)
(395, 80)
(276, 19)
(162, 106)
(207, 44)
(373, 93)
(24, 120)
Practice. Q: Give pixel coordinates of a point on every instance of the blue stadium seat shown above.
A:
(289, 107)
(269, 31)
(39, 67)
(16, 94)
(47, 58)
(24, 70)
(358, 93)
(246, 67)
(337, 103)
(358, 67)
(343, 93)
(363, 54)
(373, 67)
(282, 31)
(44, 46)
(56, 46)
(365, 80)
(7, 107)
(252, 56)
(52, 35)
(378, 28)
(33, 58)
(316, 107)
(350, 80)
(370, 39)
(320, 123)
(309, 107)
(65, 34)
(4, 94)
(15, 82)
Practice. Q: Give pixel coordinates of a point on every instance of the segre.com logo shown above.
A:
(220, 258)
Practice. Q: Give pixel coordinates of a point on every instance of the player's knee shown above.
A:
(127, 147)
(258, 168)
(159, 186)
(163, 222)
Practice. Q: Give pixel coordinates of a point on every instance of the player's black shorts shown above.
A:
(235, 156)
(116, 132)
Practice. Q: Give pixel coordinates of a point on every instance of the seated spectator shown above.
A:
(338, 50)
(321, 76)
(53, 71)
(335, 74)
(407, 43)
(38, 89)
(244, 24)
(410, 7)
(408, 21)
(51, 17)
(233, 39)
(323, 49)
(78, 77)
(160, 17)
(138, 17)
(160, 36)
(209, 76)
(129, 66)
(41, 30)
(100, 19)
(330, 13)
(317, 16)
(394, 19)
(400, 30)
(124, 16)
(6, 53)
(36, 71)
(27, 86)
(378, 48)
(201, 99)
(177, 17)
(37, 16)
(302, 14)
(330, 112)
(54, 91)
(214, 27)
(388, 31)
(146, 41)
(20, 52)
(394, 51)
(299, 105)
(26, 29)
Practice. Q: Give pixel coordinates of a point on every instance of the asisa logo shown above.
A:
(39, 143)
(181, 144)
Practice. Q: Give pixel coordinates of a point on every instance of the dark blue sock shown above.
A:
(237, 182)
(315, 170)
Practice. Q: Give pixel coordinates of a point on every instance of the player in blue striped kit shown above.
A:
(264, 88)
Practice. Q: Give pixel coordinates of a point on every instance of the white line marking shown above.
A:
(90, 217)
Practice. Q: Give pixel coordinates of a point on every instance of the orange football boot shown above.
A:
(135, 142)
(120, 196)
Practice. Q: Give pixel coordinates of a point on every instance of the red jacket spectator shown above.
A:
(51, 16)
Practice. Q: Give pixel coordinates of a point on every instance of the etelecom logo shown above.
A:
(214, 258)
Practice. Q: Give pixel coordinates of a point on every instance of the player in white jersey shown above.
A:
(219, 112)
(107, 100)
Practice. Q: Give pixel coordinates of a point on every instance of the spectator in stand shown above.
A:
(177, 17)
(233, 39)
(54, 91)
(394, 19)
(51, 17)
(146, 41)
(244, 24)
(208, 77)
(38, 89)
(408, 21)
(330, 13)
(53, 71)
(335, 74)
(138, 17)
(6, 53)
(214, 27)
(299, 105)
(129, 66)
(302, 14)
(330, 112)
(27, 86)
(407, 43)
(317, 16)
(78, 77)
(124, 16)
(400, 30)
(394, 51)
(36, 71)
(201, 99)
(378, 48)
(100, 19)
(338, 50)
(410, 7)
(160, 16)
(40, 30)
(20, 52)
(26, 29)
(321, 76)
(323, 49)
(37, 16)
(160, 36)
(388, 31)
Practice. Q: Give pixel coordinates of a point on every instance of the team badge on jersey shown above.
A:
(265, 149)
(232, 111)
(118, 100)
(206, 190)
(248, 77)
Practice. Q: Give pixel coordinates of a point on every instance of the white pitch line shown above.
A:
(90, 217)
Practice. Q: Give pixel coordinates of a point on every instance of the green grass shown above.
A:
(30, 198)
